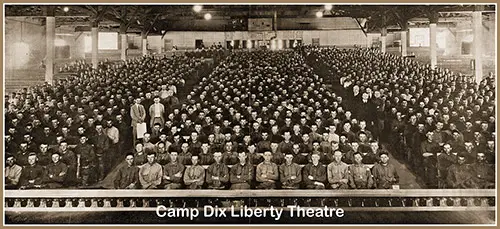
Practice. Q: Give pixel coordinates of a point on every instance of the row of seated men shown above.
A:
(243, 175)
(454, 170)
(405, 100)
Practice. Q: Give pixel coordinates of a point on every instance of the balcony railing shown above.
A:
(406, 200)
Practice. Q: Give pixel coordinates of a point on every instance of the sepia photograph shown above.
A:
(334, 114)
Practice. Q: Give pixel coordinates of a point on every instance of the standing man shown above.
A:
(338, 172)
(138, 115)
(157, 113)
(85, 161)
(101, 146)
(150, 173)
(128, 175)
(114, 135)
(385, 174)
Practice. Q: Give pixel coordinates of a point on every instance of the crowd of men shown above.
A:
(84, 120)
(261, 119)
(441, 123)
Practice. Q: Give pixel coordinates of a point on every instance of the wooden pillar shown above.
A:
(95, 44)
(50, 54)
(124, 44)
(433, 39)
(383, 39)
(477, 28)
(144, 43)
(404, 39)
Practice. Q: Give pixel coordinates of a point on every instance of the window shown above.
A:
(107, 41)
(419, 37)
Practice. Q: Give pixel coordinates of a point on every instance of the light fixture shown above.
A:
(328, 6)
(319, 14)
(197, 8)
(66, 9)
(208, 16)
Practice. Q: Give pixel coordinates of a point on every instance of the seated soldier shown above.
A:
(241, 174)
(206, 157)
(55, 172)
(162, 154)
(299, 157)
(483, 173)
(32, 174)
(150, 173)
(12, 172)
(194, 176)
(444, 161)
(337, 172)
(140, 157)
(185, 154)
(360, 176)
(172, 172)
(314, 173)
(385, 175)
(229, 156)
(128, 175)
(459, 175)
(267, 173)
(290, 173)
(217, 173)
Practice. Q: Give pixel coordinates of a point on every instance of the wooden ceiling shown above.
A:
(157, 18)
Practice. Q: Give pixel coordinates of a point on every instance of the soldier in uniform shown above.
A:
(172, 172)
(86, 162)
(384, 174)
(150, 174)
(194, 176)
(290, 173)
(314, 173)
(444, 161)
(101, 144)
(128, 175)
(360, 176)
(32, 174)
(217, 173)
(267, 172)
(69, 159)
(241, 174)
(12, 172)
(55, 173)
(483, 173)
(338, 172)
(460, 175)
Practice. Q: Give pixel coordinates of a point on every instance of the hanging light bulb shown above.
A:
(328, 6)
(197, 8)
(319, 14)
(208, 16)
